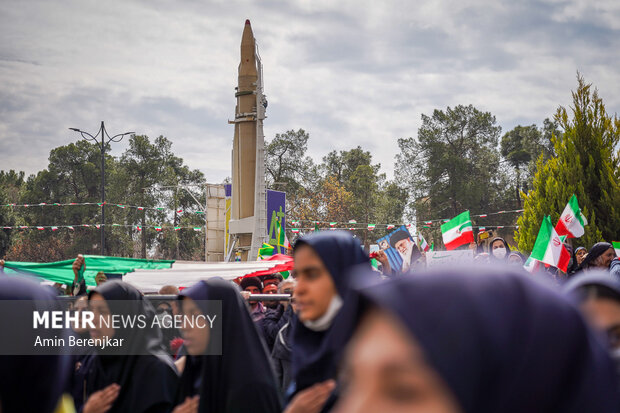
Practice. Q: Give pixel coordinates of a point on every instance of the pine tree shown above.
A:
(586, 163)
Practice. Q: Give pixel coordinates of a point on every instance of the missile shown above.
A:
(245, 139)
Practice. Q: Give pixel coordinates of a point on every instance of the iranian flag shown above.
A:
(532, 265)
(572, 221)
(422, 243)
(548, 247)
(458, 231)
(282, 238)
(616, 245)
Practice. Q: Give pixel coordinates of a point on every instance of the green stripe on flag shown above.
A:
(459, 221)
(542, 239)
(574, 205)
(465, 225)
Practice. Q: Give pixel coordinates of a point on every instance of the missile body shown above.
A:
(245, 135)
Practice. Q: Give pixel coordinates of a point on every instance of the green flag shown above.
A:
(267, 250)
(458, 231)
(62, 271)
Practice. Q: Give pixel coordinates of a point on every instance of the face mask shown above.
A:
(325, 321)
(499, 252)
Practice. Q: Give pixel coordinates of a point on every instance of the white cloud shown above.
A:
(351, 73)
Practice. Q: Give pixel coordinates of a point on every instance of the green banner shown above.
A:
(62, 271)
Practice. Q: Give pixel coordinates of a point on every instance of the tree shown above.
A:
(519, 147)
(288, 168)
(73, 175)
(453, 165)
(331, 202)
(549, 129)
(522, 146)
(342, 165)
(353, 170)
(145, 165)
(286, 163)
(349, 186)
(11, 185)
(586, 163)
(390, 207)
(12, 182)
(6, 219)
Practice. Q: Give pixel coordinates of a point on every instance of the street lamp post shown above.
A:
(116, 138)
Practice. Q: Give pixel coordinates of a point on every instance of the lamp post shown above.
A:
(116, 138)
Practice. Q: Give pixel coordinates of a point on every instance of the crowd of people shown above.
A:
(498, 251)
(480, 337)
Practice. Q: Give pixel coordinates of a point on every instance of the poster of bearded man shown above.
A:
(400, 248)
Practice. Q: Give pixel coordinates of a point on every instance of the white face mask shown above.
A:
(499, 252)
(325, 321)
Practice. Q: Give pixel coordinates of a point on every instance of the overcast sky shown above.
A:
(348, 72)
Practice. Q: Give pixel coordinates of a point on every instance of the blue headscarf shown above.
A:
(30, 383)
(596, 278)
(314, 352)
(500, 341)
(141, 364)
(340, 252)
(241, 379)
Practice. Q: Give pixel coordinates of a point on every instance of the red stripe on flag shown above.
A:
(561, 229)
(564, 259)
(465, 238)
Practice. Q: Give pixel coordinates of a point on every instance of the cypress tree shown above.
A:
(587, 163)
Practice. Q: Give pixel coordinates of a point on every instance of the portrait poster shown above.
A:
(400, 248)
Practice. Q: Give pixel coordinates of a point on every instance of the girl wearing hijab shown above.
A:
(516, 258)
(481, 340)
(138, 378)
(499, 250)
(241, 378)
(81, 362)
(598, 295)
(600, 256)
(580, 254)
(323, 264)
(29, 383)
